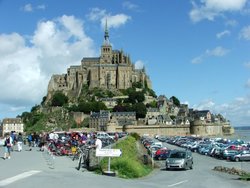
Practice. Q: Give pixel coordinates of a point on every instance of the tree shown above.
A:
(43, 100)
(140, 110)
(137, 85)
(136, 97)
(152, 104)
(34, 108)
(59, 99)
(175, 101)
(151, 93)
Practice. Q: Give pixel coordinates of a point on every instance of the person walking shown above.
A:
(30, 140)
(42, 141)
(8, 142)
(19, 142)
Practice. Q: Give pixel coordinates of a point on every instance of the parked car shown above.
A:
(103, 135)
(162, 154)
(179, 159)
(227, 154)
(242, 156)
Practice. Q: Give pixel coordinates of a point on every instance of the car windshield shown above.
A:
(178, 155)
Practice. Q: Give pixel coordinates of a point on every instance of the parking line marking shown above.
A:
(18, 177)
(172, 185)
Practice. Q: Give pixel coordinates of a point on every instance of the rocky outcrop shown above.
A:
(234, 171)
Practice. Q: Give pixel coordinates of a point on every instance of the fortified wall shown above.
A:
(201, 129)
(206, 129)
(153, 130)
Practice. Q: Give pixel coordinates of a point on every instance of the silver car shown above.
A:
(179, 159)
(243, 156)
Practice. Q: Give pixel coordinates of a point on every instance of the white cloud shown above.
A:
(237, 111)
(197, 60)
(96, 14)
(129, 5)
(204, 105)
(218, 51)
(223, 33)
(101, 15)
(209, 9)
(139, 64)
(225, 5)
(41, 7)
(245, 33)
(27, 68)
(115, 21)
(28, 8)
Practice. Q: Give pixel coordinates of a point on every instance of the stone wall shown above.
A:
(156, 130)
(206, 129)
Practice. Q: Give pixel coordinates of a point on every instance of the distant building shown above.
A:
(203, 115)
(109, 102)
(124, 118)
(99, 120)
(12, 124)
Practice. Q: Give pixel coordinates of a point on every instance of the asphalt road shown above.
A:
(34, 169)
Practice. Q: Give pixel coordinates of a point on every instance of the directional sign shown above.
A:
(108, 152)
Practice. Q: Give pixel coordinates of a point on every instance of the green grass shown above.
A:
(129, 165)
(245, 177)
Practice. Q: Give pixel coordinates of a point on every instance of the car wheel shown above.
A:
(191, 167)
(186, 167)
(167, 168)
(237, 159)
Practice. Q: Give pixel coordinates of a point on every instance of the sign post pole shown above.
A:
(109, 165)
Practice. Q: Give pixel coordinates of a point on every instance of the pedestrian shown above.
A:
(30, 139)
(98, 142)
(8, 143)
(42, 141)
(19, 142)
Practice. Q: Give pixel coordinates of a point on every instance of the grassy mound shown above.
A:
(129, 165)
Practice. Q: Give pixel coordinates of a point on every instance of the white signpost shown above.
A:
(108, 152)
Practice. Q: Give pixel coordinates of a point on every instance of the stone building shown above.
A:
(12, 124)
(100, 120)
(112, 70)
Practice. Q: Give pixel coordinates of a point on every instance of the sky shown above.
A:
(195, 50)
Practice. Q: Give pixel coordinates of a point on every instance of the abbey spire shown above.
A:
(106, 34)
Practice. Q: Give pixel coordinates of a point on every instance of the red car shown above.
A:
(161, 154)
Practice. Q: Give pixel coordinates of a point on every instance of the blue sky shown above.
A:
(196, 50)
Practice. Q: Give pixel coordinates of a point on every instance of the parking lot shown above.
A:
(63, 174)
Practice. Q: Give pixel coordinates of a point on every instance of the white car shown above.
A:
(103, 135)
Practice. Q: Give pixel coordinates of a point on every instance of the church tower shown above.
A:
(106, 48)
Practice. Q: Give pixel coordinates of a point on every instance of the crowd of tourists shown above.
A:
(55, 140)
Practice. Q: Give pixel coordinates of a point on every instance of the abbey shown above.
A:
(112, 70)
